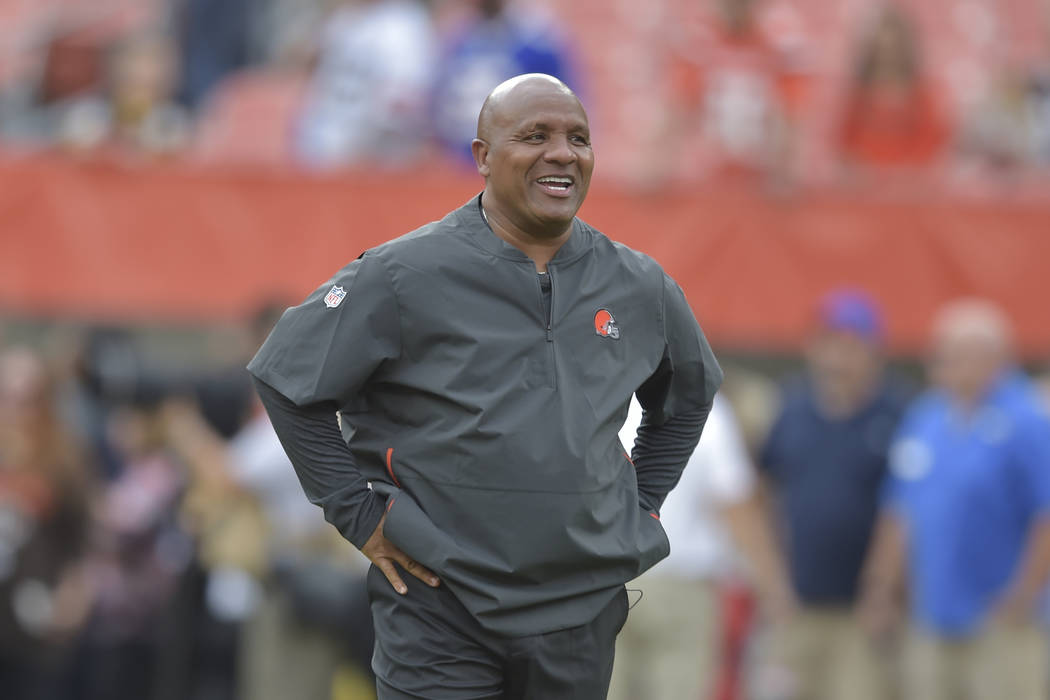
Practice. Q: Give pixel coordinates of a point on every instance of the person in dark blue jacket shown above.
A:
(825, 460)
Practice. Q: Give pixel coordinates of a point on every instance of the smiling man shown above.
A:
(481, 368)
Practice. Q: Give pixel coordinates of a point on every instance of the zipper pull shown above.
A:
(550, 334)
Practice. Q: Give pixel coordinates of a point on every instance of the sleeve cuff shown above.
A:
(366, 520)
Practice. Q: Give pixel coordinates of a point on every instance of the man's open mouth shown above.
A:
(556, 184)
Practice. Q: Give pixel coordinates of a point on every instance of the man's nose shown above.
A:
(560, 150)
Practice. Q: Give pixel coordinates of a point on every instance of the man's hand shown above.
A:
(1013, 609)
(383, 553)
(878, 614)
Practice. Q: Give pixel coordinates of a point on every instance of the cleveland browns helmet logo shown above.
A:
(605, 324)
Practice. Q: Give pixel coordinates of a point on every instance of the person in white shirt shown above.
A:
(367, 102)
(669, 646)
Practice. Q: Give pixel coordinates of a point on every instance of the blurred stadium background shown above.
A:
(174, 171)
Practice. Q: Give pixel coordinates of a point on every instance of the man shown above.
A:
(482, 366)
(966, 520)
(672, 646)
(825, 460)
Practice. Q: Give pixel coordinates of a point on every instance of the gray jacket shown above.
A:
(491, 427)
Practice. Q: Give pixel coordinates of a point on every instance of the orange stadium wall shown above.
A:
(90, 240)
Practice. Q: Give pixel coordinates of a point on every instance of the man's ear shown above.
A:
(480, 149)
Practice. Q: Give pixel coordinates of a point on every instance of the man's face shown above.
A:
(538, 160)
(844, 361)
(963, 366)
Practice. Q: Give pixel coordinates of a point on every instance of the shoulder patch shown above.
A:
(334, 297)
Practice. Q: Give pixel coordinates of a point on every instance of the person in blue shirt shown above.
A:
(824, 462)
(966, 520)
(496, 43)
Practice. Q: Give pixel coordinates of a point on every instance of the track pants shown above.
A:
(428, 646)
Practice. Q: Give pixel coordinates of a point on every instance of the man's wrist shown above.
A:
(366, 520)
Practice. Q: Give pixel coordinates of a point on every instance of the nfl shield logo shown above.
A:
(334, 297)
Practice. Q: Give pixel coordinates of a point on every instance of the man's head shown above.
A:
(845, 355)
(534, 150)
(490, 9)
(738, 15)
(971, 347)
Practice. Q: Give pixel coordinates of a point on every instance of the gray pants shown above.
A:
(428, 646)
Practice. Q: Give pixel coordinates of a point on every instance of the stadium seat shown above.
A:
(250, 118)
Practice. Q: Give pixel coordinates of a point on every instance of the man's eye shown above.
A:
(534, 137)
(581, 140)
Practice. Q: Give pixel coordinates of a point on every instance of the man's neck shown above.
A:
(539, 249)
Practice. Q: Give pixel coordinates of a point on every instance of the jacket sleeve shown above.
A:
(310, 436)
(326, 348)
(675, 401)
(318, 359)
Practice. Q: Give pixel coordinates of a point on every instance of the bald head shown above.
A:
(534, 151)
(971, 346)
(973, 322)
(507, 99)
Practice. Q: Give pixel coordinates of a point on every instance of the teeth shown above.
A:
(566, 181)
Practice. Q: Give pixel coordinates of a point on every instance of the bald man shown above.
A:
(966, 520)
(481, 368)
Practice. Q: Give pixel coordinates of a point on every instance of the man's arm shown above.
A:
(676, 400)
(1022, 594)
(662, 451)
(331, 480)
(883, 576)
(320, 356)
(1030, 450)
(752, 532)
(310, 436)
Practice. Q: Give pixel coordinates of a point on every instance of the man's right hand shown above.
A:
(878, 614)
(383, 553)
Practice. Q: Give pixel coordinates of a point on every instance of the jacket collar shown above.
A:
(470, 219)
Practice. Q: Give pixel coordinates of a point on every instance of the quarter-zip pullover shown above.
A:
(485, 413)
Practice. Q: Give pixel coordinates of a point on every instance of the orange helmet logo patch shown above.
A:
(605, 324)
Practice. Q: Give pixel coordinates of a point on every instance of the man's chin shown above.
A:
(556, 217)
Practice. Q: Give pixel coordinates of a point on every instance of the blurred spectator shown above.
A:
(270, 559)
(966, 520)
(135, 112)
(314, 612)
(286, 31)
(497, 42)
(999, 134)
(44, 510)
(225, 396)
(670, 646)
(825, 460)
(1038, 105)
(892, 114)
(367, 103)
(214, 39)
(138, 555)
(72, 67)
(93, 94)
(736, 86)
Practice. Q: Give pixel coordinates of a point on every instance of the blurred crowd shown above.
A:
(154, 539)
(840, 532)
(318, 83)
(855, 534)
(781, 92)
